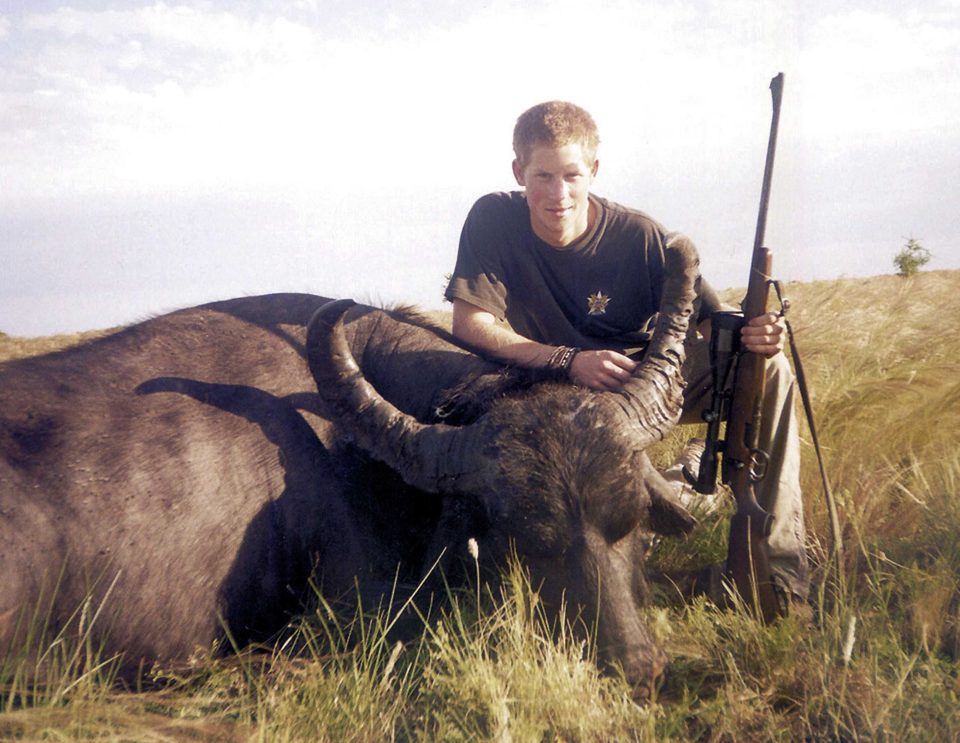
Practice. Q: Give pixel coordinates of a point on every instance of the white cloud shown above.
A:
(175, 92)
(196, 97)
(177, 98)
(879, 74)
(179, 25)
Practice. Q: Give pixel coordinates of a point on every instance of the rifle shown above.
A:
(743, 463)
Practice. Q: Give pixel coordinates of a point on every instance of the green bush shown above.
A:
(911, 258)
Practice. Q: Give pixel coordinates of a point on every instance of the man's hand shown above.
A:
(601, 370)
(764, 334)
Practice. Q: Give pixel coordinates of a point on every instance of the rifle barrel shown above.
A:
(776, 90)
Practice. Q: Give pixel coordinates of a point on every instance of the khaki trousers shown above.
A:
(779, 490)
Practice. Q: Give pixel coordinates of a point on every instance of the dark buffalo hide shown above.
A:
(195, 470)
(189, 463)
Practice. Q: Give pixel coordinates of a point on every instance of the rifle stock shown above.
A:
(748, 561)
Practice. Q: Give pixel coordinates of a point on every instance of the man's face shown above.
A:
(557, 181)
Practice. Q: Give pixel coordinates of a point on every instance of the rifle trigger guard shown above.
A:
(759, 460)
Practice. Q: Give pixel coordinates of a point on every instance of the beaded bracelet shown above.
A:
(561, 360)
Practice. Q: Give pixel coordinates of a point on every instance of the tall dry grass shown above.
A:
(879, 662)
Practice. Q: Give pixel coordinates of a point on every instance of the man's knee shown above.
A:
(779, 373)
(780, 365)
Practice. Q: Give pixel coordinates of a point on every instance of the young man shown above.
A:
(557, 277)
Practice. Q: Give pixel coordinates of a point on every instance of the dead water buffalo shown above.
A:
(188, 467)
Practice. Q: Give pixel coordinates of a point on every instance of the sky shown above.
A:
(157, 155)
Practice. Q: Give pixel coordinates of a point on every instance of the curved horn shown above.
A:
(428, 457)
(655, 394)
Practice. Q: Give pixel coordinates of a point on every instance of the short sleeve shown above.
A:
(477, 274)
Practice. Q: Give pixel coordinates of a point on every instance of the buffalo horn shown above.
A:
(655, 393)
(427, 457)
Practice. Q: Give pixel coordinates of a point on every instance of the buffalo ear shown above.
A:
(668, 516)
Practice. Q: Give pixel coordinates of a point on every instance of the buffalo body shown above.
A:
(193, 471)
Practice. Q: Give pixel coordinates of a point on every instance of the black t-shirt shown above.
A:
(602, 291)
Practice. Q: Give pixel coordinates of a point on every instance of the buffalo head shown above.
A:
(559, 472)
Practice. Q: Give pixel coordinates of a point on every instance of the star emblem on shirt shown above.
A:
(597, 303)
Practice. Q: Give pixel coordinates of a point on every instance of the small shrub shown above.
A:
(911, 258)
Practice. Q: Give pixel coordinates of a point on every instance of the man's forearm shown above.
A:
(499, 341)
(597, 369)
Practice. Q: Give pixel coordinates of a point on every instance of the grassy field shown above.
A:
(878, 663)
